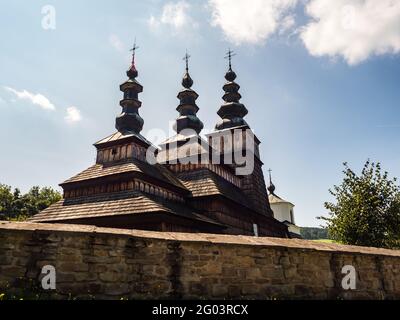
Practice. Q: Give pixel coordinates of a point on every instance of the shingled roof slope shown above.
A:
(273, 198)
(204, 182)
(101, 170)
(115, 204)
(116, 136)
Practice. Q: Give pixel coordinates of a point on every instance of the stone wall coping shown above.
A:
(197, 237)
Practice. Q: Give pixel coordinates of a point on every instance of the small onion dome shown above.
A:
(132, 73)
(187, 81)
(230, 75)
(271, 188)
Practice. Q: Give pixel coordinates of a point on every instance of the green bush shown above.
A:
(367, 209)
(16, 206)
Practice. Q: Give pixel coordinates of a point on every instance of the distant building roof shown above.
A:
(273, 198)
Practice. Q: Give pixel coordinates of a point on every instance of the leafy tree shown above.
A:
(6, 200)
(14, 206)
(311, 233)
(38, 199)
(367, 208)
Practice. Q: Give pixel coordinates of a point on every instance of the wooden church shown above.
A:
(177, 193)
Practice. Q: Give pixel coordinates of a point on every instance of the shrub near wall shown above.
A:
(95, 262)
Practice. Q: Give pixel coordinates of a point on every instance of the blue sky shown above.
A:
(320, 81)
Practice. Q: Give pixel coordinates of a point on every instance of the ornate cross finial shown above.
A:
(186, 58)
(134, 48)
(229, 56)
(271, 187)
(132, 72)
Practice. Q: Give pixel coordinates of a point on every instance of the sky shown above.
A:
(320, 79)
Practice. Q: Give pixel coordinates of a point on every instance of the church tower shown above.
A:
(283, 210)
(187, 105)
(186, 146)
(127, 142)
(231, 111)
(233, 137)
(129, 121)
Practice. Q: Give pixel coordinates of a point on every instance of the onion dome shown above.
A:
(271, 187)
(187, 107)
(129, 121)
(232, 111)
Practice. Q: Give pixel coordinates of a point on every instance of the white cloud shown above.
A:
(251, 21)
(287, 23)
(116, 43)
(352, 29)
(73, 115)
(175, 15)
(37, 99)
(153, 22)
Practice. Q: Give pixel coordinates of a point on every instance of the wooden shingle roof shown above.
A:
(115, 204)
(118, 136)
(133, 166)
(204, 182)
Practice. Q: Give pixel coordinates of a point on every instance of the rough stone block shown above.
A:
(110, 265)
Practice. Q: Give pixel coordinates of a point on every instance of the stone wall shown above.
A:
(113, 263)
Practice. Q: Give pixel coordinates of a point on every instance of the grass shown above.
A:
(326, 241)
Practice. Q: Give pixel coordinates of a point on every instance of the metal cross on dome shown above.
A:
(186, 58)
(134, 48)
(229, 56)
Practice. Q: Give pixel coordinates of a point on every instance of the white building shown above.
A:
(283, 210)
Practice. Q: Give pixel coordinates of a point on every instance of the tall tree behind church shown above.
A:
(17, 206)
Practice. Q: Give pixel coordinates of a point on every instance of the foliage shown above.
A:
(367, 208)
(326, 241)
(17, 206)
(310, 233)
(23, 289)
